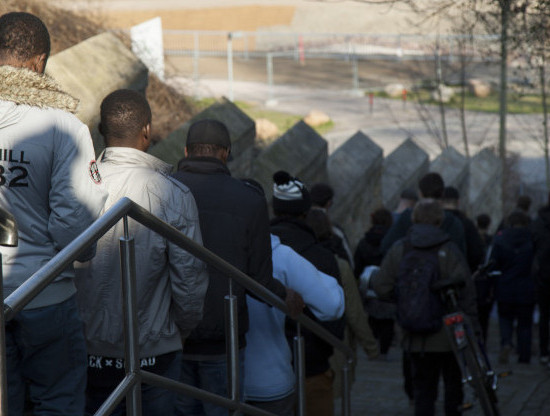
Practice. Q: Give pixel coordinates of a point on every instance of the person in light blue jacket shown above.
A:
(269, 377)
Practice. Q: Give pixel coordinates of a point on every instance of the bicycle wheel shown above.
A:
(485, 393)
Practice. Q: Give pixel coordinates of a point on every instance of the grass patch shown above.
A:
(283, 121)
(517, 104)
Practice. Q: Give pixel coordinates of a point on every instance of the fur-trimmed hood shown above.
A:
(25, 87)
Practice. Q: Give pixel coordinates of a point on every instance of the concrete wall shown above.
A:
(454, 169)
(241, 129)
(94, 68)
(301, 151)
(402, 169)
(355, 172)
(485, 186)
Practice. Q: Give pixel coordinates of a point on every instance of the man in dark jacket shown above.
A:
(430, 186)
(322, 198)
(291, 202)
(541, 273)
(515, 288)
(475, 254)
(475, 249)
(235, 226)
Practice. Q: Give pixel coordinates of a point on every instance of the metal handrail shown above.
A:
(125, 207)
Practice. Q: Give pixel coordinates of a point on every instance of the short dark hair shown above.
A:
(319, 221)
(23, 36)
(203, 149)
(321, 194)
(208, 131)
(431, 185)
(381, 216)
(483, 221)
(524, 202)
(428, 212)
(123, 114)
(451, 193)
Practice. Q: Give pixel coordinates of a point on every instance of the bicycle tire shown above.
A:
(485, 394)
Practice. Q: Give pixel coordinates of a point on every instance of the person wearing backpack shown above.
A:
(515, 287)
(406, 275)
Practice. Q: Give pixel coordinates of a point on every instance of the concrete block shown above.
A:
(94, 68)
(301, 151)
(485, 186)
(241, 129)
(402, 169)
(355, 172)
(454, 169)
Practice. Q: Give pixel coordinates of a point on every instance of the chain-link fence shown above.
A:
(343, 61)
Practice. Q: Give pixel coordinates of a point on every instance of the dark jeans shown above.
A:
(209, 375)
(523, 314)
(407, 375)
(483, 314)
(382, 330)
(155, 401)
(543, 299)
(45, 347)
(426, 368)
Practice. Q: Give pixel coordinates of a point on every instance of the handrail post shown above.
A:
(300, 370)
(346, 388)
(3, 369)
(232, 345)
(131, 347)
(269, 63)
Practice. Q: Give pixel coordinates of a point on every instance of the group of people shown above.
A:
(65, 350)
(509, 270)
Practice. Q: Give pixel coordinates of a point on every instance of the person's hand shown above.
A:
(294, 303)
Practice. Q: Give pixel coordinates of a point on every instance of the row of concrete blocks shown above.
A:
(362, 177)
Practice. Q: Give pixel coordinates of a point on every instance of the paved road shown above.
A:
(387, 122)
(378, 387)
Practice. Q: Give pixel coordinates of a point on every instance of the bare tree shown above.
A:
(533, 37)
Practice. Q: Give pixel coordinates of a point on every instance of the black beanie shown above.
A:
(290, 195)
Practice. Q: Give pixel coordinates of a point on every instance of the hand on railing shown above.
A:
(294, 302)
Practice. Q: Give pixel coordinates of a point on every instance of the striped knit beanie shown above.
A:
(290, 195)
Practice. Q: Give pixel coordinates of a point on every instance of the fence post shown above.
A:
(399, 51)
(355, 69)
(232, 345)
(230, 64)
(301, 49)
(196, 54)
(131, 334)
(269, 62)
(246, 37)
(300, 370)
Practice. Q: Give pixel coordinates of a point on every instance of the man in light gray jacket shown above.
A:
(171, 283)
(49, 182)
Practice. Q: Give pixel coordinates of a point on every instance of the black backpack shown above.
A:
(419, 309)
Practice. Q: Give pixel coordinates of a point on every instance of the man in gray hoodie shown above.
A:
(49, 182)
(171, 283)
